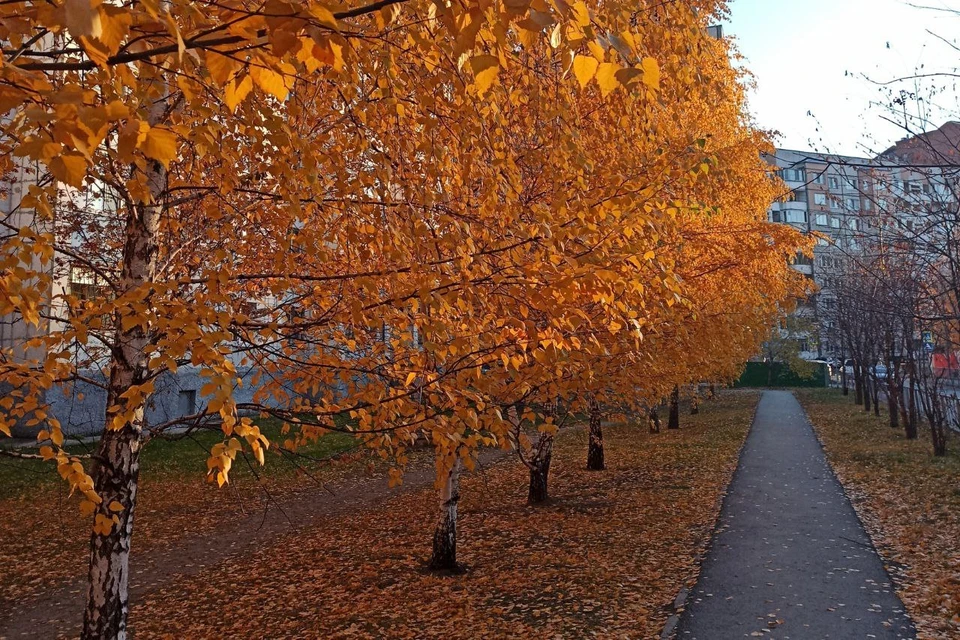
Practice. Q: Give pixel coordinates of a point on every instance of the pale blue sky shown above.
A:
(811, 55)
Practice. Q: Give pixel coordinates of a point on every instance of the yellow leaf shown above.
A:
(410, 378)
(47, 453)
(581, 14)
(485, 70)
(235, 92)
(161, 145)
(607, 77)
(269, 81)
(115, 23)
(115, 506)
(87, 507)
(69, 168)
(221, 67)
(82, 18)
(651, 73)
(585, 67)
(103, 525)
(598, 52)
(323, 15)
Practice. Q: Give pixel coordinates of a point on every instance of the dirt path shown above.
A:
(59, 612)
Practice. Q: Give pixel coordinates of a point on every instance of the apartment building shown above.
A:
(853, 204)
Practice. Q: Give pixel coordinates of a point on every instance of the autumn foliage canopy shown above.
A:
(411, 219)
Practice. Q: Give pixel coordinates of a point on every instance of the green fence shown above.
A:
(777, 374)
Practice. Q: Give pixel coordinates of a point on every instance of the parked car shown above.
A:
(880, 371)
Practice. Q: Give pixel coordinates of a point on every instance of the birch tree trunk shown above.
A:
(912, 431)
(117, 464)
(892, 404)
(540, 470)
(876, 397)
(866, 392)
(654, 420)
(445, 535)
(595, 447)
(674, 421)
(857, 385)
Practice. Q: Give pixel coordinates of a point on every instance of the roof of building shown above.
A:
(931, 147)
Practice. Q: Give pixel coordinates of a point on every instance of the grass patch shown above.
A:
(178, 454)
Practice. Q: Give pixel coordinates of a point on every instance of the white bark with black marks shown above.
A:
(444, 556)
(117, 464)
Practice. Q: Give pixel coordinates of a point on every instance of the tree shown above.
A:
(405, 218)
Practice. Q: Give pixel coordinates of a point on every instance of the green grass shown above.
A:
(168, 457)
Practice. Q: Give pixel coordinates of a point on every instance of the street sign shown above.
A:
(928, 341)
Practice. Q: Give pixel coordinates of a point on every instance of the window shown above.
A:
(798, 195)
(822, 219)
(818, 179)
(853, 223)
(853, 204)
(822, 242)
(835, 223)
(882, 204)
(775, 216)
(914, 187)
(835, 204)
(820, 199)
(794, 215)
(866, 205)
(834, 183)
(188, 402)
(794, 175)
(867, 185)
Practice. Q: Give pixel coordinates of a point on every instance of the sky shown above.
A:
(817, 63)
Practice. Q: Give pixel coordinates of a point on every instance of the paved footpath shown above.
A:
(791, 560)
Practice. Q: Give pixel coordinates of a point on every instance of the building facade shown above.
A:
(853, 205)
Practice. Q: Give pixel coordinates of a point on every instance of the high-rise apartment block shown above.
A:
(853, 204)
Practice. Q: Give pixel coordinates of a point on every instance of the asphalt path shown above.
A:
(790, 559)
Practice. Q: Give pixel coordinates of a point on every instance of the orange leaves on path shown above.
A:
(908, 501)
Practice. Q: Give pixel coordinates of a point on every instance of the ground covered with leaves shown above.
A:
(908, 499)
(605, 557)
(45, 538)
